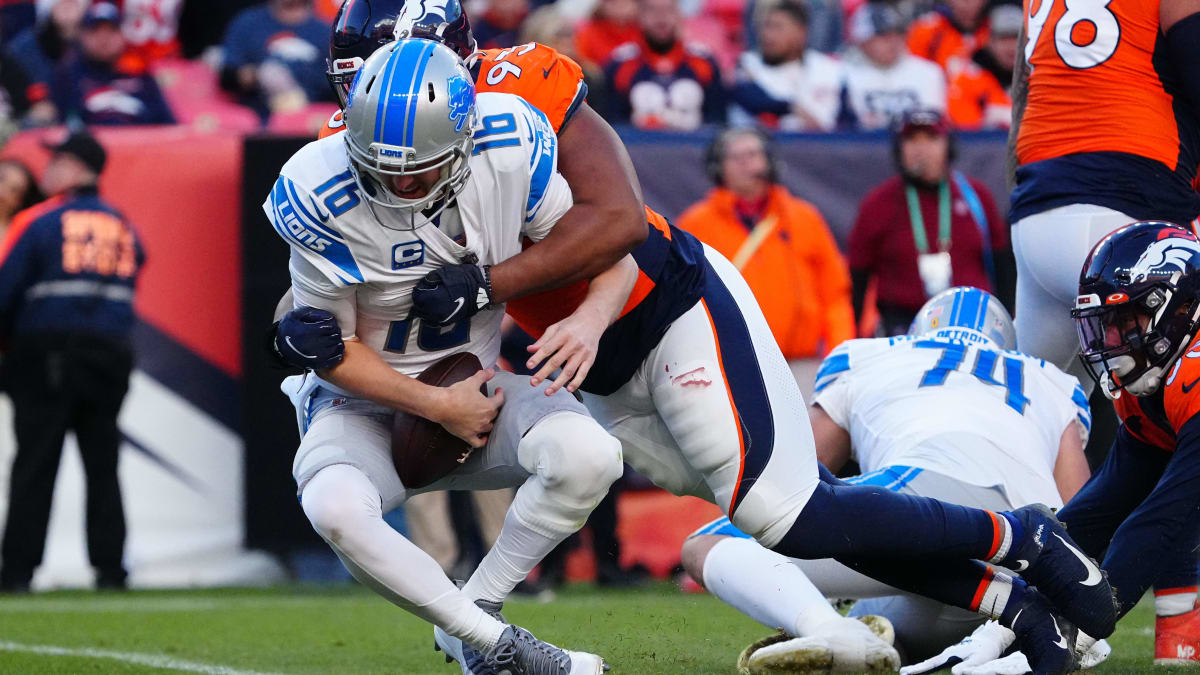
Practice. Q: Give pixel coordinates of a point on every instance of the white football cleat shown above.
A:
(845, 645)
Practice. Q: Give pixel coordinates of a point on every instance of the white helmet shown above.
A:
(410, 110)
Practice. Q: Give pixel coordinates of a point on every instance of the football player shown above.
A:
(920, 416)
(1082, 171)
(692, 382)
(427, 175)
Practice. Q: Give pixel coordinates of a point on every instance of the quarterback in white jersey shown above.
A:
(945, 412)
(428, 175)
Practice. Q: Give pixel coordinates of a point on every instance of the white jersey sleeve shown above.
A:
(311, 288)
(835, 389)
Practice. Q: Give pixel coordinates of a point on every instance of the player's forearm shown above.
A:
(364, 373)
(1020, 94)
(609, 291)
(606, 222)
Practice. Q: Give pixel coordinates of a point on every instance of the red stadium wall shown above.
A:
(181, 189)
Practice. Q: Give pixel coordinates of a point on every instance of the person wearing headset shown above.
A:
(780, 244)
(926, 229)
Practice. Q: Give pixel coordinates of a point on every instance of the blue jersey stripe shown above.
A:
(311, 221)
(290, 222)
(1085, 410)
(834, 364)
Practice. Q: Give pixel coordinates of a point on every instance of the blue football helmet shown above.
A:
(360, 27)
(964, 312)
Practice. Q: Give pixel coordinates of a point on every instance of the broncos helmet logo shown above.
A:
(462, 100)
(420, 13)
(1164, 257)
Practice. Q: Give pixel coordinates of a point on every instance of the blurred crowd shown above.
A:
(792, 65)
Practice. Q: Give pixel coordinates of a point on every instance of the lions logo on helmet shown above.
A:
(462, 100)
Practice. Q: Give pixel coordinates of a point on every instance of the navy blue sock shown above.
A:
(865, 521)
(968, 584)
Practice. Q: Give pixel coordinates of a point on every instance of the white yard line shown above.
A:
(85, 605)
(148, 660)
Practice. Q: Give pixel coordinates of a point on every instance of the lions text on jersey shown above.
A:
(955, 406)
(361, 262)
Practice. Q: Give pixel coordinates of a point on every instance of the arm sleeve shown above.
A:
(1183, 44)
(158, 112)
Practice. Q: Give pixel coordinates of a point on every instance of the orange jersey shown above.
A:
(334, 125)
(549, 81)
(1157, 419)
(1093, 85)
(933, 37)
(976, 100)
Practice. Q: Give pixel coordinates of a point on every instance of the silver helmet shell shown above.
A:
(410, 110)
(964, 313)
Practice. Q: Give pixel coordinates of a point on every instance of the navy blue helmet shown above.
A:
(443, 21)
(1138, 306)
(359, 28)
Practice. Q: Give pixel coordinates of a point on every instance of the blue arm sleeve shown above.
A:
(1162, 527)
(756, 101)
(1183, 42)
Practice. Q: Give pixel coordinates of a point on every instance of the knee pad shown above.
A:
(337, 499)
(572, 456)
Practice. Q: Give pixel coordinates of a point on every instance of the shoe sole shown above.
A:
(810, 660)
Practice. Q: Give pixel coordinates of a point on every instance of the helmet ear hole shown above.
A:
(431, 94)
(371, 83)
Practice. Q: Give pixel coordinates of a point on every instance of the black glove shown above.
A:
(309, 338)
(452, 293)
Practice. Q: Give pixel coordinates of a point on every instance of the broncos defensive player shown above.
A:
(427, 175)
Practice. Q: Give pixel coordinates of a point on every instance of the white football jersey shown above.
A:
(876, 96)
(962, 409)
(361, 261)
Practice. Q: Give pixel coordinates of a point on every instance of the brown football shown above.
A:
(422, 450)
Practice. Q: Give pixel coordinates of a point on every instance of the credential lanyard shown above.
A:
(918, 221)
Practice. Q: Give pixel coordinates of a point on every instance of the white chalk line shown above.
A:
(136, 658)
(134, 604)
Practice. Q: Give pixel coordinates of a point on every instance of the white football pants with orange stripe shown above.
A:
(714, 412)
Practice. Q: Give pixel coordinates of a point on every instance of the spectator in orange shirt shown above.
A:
(950, 34)
(613, 23)
(979, 97)
(779, 242)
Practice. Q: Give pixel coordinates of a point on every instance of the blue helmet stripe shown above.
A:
(415, 91)
(982, 313)
(952, 319)
(968, 307)
(381, 109)
(397, 98)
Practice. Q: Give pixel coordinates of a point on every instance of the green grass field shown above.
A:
(348, 630)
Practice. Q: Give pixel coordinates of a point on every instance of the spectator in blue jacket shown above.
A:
(40, 48)
(90, 89)
(274, 56)
(68, 268)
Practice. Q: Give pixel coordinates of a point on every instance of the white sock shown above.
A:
(572, 461)
(344, 508)
(1174, 601)
(765, 586)
(517, 550)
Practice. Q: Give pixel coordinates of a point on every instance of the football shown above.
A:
(422, 450)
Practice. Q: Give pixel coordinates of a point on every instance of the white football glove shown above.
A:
(979, 654)
(983, 646)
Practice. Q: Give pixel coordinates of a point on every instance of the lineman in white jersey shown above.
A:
(945, 412)
(428, 175)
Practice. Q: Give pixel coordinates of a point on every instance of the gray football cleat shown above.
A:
(519, 653)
